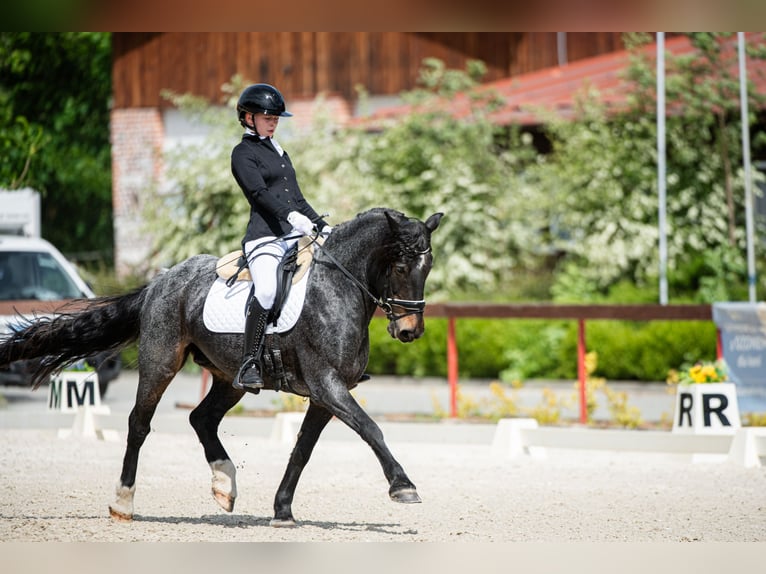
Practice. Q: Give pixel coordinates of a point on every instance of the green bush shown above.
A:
(424, 357)
(643, 351)
(510, 349)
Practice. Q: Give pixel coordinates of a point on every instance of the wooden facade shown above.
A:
(303, 64)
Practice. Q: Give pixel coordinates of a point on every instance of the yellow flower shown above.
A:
(702, 373)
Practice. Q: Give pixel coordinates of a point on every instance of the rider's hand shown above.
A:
(300, 223)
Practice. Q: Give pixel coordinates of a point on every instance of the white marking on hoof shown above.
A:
(122, 508)
(224, 483)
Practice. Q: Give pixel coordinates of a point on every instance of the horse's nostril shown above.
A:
(406, 335)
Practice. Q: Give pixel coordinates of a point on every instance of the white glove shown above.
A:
(300, 223)
(327, 229)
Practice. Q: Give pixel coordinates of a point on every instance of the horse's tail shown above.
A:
(77, 331)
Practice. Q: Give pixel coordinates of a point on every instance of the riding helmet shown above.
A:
(261, 98)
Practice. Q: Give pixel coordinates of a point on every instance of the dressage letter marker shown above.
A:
(72, 389)
(707, 409)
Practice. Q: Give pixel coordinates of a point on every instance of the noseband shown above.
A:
(386, 304)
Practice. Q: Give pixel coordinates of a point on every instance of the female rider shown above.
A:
(277, 209)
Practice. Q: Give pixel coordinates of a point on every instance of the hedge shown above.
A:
(529, 349)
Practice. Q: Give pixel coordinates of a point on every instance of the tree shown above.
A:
(590, 206)
(55, 91)
(428, 161)
(603, 172)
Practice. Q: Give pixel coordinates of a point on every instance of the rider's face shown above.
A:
(265, 125)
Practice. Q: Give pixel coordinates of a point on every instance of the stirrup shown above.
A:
(248, 378)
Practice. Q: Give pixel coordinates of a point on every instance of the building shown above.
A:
(526, 69)
(302, 65)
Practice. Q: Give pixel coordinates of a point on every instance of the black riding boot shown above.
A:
(249, 376)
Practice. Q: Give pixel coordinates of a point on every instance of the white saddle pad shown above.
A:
(224, 310)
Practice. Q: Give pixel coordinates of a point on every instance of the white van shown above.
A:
(35, 279)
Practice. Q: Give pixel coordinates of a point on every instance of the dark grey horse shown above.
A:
(380, 258)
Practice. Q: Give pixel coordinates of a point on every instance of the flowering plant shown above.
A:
(700, 373)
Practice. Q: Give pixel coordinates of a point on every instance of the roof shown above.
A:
(555, 89)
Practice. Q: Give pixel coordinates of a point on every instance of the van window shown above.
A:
(34, 275)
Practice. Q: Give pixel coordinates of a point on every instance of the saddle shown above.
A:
(232, 267)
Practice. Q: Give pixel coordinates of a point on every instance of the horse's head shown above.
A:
(410, 263)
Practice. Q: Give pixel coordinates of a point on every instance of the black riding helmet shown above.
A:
(261, 98)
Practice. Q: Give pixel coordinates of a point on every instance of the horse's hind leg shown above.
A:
(147, 397)
(205, 420)
(158, 363)
(314, 422)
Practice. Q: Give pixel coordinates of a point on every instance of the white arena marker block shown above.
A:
(748, 446)
(286, 427)
(85, 426)
(84, 423)
(509, 440)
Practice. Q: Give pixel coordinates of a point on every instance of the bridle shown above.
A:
(386, 304)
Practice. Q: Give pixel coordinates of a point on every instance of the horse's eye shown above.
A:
(400, 268)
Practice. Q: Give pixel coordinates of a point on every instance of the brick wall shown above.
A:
(136, 137)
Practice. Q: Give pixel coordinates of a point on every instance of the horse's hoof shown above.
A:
(283, 523)
(224, 500)
(406, 496)
(224, 483)
(122, 508)
(119, 516)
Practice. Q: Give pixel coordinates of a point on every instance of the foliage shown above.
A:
(621, 412)
(578, 224)
(286, 402)
(504, 406)
(699, 373)
(590, 205)
(754, 420)
(513, 350)
(548, 412)
(643, 350)
(602, 175)
(428, 161)
(199, 208)
(55, 90)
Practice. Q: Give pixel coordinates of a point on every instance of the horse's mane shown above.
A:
(412, 238)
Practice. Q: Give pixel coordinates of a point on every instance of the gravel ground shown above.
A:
(58, 490)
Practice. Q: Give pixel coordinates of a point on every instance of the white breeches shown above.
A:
(263, 264)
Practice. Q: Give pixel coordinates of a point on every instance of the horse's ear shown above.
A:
(392, 222)
(433, 222)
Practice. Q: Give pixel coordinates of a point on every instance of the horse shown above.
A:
(380, 258)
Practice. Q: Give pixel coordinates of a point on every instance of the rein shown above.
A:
(388, 303)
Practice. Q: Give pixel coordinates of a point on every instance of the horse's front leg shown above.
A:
(338, 400)
(314, 422)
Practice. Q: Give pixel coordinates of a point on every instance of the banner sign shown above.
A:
(743, 338)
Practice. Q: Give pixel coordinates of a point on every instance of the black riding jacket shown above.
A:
(269, 183)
